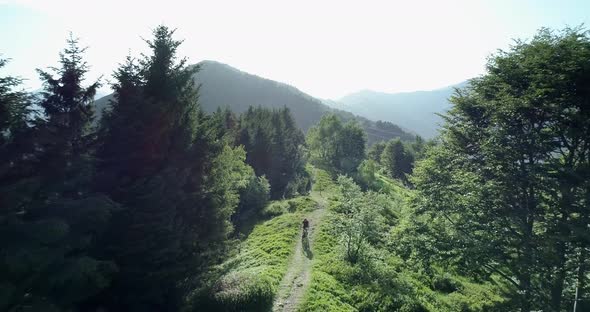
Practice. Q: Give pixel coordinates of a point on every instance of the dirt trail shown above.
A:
(298, 277)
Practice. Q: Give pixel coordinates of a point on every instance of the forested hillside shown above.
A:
(225, 86)
(162, 205)
(416, 111)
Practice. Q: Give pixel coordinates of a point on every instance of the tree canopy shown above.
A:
(336, 146)
(509, 179)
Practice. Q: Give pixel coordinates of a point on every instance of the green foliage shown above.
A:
(418, 147)
(382, 280)
(136, 228)
(503, 195)
(67, 105)
(359, 225)
(223, 85)
(249, 280)
(15, 106)
(137, 215)
(253, 198)
(172, 169)
(336, 147)
(367, 175)
(302, 204)
(274, 149)
(396, 160)
(276, 208)
(322, 181)
(51, 218)
(375, 151)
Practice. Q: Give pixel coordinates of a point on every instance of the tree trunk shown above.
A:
(527, 255)
(560, 271)
(582, 267)
(525, 276)
(582, 272)
(563, 233)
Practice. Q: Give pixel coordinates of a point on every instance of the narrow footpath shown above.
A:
(297, 279)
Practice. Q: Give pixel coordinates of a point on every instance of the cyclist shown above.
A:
(305, 227)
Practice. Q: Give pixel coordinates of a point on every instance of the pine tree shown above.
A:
(164, 161)
(48, 260)
(375, 151)
(274, 149)
(418, 148)
(396, 160)
(68, 105)
(16, 132)
(15, 106)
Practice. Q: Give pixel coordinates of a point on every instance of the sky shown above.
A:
(325, 48)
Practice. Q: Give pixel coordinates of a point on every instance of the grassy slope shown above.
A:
(386, 283)
(326, 293)
(249, 280)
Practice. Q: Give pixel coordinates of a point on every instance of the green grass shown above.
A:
(391, 186)
(386, 282)
(249, 280)
(326, 292)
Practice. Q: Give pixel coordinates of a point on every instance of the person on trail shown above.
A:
(305, 226)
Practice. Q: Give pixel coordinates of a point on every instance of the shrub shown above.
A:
(275, 209)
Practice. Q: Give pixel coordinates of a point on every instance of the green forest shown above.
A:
(156, 204)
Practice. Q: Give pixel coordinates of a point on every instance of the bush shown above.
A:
(300, 185)
(444, 283)
(247, 290)
(299, 204)
(254, 197)
(302, 204)
(275, 209)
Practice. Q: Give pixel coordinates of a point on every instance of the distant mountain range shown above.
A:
(413, 111)
(225, 86)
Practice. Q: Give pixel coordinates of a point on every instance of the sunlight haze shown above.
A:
(325, 48)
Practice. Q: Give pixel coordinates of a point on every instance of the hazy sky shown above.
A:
(324, 48)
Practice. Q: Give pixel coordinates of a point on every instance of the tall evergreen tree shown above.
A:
(375, 151)
(397, 160)
(48, 261)
(418, 148)
(274, 149)
(16, 130)
(68, 105)
(161, 158)
(14, 107)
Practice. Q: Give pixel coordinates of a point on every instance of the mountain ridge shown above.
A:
(222, 85)
(414, 110)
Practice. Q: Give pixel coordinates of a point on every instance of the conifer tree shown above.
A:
(14, 107)
(48, 261)
(163, 160)
(396, 160)
(16, 128)
(67, 104)
(375, 151)
(274, 149)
